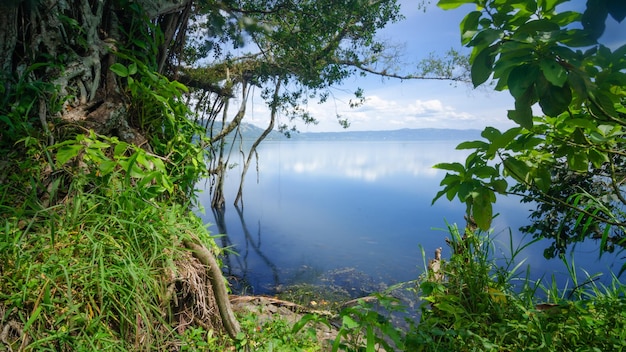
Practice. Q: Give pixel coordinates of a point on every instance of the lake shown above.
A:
(322, 206)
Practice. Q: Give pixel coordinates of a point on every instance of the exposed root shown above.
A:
(200, 252)
(11, 333)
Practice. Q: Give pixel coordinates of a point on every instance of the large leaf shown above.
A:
(548, 5)
(577, 160)
(457, 167)
(469, 26)
(482, 67)
(617, 9)
(594, 17)
(598, 158)
(518, 169)
(555, 100)
(484, 39)
(543, 179)
(472, 145)
(553, 72)
(67, 152)
(491, 134)
(482, 209)
(522, 78)
(522, 115)
(499, 186)
(534, 26)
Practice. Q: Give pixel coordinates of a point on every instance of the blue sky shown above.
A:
(393, 104)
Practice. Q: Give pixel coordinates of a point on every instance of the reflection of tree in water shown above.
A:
(240, 281)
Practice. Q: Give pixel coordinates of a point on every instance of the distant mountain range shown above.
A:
(251, 132)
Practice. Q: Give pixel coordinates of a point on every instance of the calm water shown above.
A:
(318, 206)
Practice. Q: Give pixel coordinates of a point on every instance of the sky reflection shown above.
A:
(321, 206)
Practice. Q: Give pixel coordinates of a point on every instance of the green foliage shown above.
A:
(92, 273)
(113, 167)
(552, 60)
(157, 109)
(363, 328)
(309, 46)
(275, 334)
(21, 103)
(477, 307)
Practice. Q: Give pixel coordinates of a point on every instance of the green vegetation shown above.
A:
(570, 160)
(100, 153)
(481, 305)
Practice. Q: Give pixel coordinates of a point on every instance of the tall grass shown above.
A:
(483, 306)
(92, 274)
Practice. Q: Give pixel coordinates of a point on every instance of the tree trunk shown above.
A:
(68, 47)
(8, 36)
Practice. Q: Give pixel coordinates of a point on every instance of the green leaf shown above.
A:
(485, 171)
(483, 39)
(132, 69)
(543, 179)
(452, 4)
(502, 140)
(469, 26)
(107, 166)
(594, 17)
(522, 78)
(490, 133)
(120, 149)
(499, 185)
(32, 318)
(472, 145)
(566, 17)
(603, 105)
(522, 115)
(516, 168)
(577, 160)
(607, 130)
(482, 209)
(371, 341)
(453, 190)
(617, 9)
(553, 72)
(580, 122)
(349, 323)
(548, 5)
(597, 138)
(534, 26)
(555, 100)
(482, 67)
(67, 152)
(457, 167)
(119, 69)
(464, 190)
(598, 158)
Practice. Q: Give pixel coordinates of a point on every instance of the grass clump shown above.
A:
(91, 256)
(476, 306)
(94, 273)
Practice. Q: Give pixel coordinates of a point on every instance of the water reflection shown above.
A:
(366, 161)
(319, 206)
(236, 257)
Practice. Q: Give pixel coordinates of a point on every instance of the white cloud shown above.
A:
(404, 105)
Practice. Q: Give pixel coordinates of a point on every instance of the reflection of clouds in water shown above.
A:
(367, 161)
